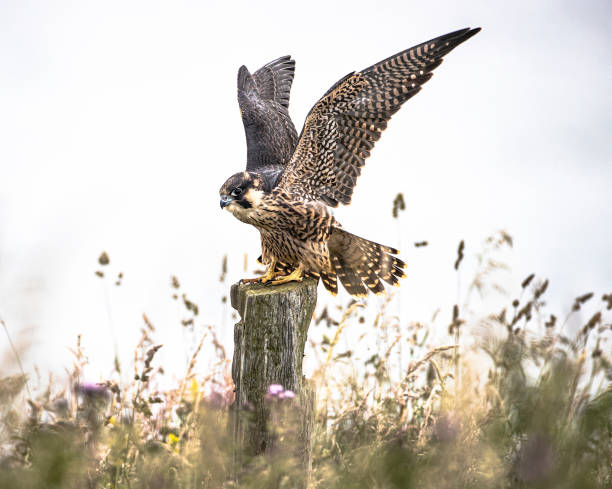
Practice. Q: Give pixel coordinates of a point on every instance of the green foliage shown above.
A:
(508, 400)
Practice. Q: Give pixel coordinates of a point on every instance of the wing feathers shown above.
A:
(274, 80)
(263, 98)
(343, 127)
(245, 80)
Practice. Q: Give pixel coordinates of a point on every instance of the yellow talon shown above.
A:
(296, 276)
(269, 275)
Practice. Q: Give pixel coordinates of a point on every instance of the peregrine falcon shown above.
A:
(290, 184)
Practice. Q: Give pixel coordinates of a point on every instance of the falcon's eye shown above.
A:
(236, 192)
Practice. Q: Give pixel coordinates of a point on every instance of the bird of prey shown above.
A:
(290, 184)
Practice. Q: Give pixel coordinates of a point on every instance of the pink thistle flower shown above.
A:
(91, 390)
(275, 389)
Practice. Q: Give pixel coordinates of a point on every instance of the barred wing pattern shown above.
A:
(263, 98)
(341, 129)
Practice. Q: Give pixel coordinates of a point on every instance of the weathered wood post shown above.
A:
(269, 345)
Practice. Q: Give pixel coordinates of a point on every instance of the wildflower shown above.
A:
(277, 391)
(92, 390)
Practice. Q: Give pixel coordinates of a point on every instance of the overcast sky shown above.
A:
(119, 124)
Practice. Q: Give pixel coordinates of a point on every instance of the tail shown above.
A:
(361, 264)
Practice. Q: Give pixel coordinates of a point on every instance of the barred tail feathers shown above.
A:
(361, 264)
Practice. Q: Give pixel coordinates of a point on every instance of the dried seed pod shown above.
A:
(527, 281)
(459, 254)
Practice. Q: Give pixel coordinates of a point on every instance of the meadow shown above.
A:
(518, 396)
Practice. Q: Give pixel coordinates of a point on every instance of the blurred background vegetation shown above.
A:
(518, 396)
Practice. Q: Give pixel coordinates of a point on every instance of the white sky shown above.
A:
(119, 123)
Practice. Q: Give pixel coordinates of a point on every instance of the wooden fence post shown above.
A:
(268, 349)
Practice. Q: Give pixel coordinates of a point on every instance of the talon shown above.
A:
(296, 276)
(265, 278)
(250, 280)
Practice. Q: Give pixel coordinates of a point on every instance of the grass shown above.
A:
(509, 399)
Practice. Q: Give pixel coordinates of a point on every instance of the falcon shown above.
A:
(291, 184)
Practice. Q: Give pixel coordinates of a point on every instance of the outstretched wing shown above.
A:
(263, 98)
(341, 129)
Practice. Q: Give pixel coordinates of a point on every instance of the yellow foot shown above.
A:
(296, 276)
(269, 275)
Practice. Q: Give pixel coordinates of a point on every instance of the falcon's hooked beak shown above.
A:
(226, 200)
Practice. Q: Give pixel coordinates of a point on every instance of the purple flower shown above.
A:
(92, 390)
(275, 389)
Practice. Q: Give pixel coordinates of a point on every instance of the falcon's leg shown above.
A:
(296, 276)
(269, 275)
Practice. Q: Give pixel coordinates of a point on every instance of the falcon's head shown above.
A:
(241, 192)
